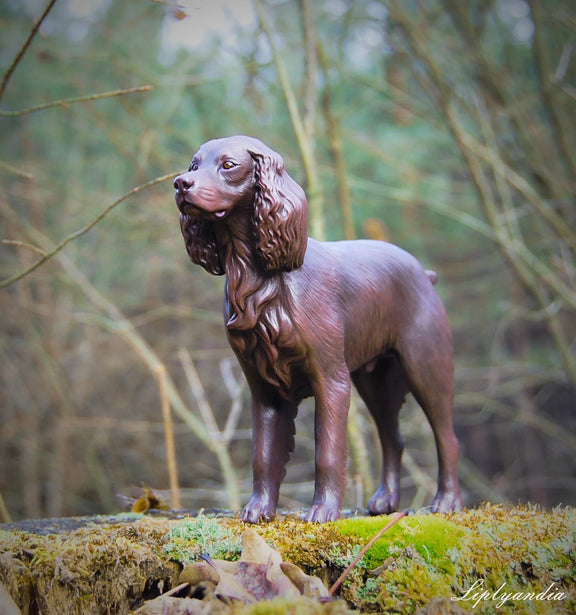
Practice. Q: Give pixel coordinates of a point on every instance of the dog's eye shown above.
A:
(228, 164)
(193, 166)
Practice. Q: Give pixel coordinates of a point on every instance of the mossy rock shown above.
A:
(516, 552)
(98, 568)
(417, 566)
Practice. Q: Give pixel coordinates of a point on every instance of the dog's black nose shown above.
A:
(183, 182)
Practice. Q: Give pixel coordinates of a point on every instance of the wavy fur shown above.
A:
(200, 243)
(280, 214)
(254, 262)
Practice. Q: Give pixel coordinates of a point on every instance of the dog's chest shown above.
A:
(273, 349)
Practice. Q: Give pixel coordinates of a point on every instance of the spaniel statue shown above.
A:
(309, 318)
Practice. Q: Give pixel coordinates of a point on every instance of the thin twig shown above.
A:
(360, 555)
(23, 244)
(235, 391)
(175, 498)
(22, 51)
(4, 513)
(11, 169)
(79, 99)
(199, 394)
(48, 255)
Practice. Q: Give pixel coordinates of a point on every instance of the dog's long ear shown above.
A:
(280, 213)
(201, 243)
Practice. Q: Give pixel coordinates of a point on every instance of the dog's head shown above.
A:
(240, 176)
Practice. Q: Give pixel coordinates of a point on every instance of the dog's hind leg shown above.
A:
(427, 359)
(383, 387)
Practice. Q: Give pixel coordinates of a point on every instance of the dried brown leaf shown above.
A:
(256, 549)
(198, 572)
(307, 585)
(229, 586)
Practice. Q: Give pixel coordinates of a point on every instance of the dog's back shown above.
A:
(370, 292)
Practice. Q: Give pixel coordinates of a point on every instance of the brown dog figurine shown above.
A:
(309, 318)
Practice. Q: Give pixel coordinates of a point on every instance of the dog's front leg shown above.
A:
(332, 404)
(273, 441)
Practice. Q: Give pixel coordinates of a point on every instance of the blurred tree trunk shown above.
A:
(303, 122)
(535, 234)
(336, 147)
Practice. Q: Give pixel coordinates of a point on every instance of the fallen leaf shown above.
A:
(259, 575)
(253, 578)
(228, 586)
(198, 572)
(307, 585)
(149, 500)
(256, 549)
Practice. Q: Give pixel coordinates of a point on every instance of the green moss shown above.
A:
(434, 537)
(412, 585)
(298, 606)
(428, 558)
(90, 570)
(310, 546)
(202, 535)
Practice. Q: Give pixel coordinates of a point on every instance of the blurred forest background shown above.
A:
(446, 127)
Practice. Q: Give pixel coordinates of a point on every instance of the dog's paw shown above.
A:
(383, 502)
(258, 511)
(321, 513)
(447, 501)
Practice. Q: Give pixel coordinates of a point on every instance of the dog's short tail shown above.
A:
(432, 276)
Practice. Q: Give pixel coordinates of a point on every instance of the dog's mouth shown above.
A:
(191, 208)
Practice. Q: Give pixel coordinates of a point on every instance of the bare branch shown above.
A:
(66, 102)
(24, 48)
(199, 394)
(560, 125)
(161, 376)
(519, 183)
(49, 254)
(235, 389)
(511, 245)
(311, 83)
